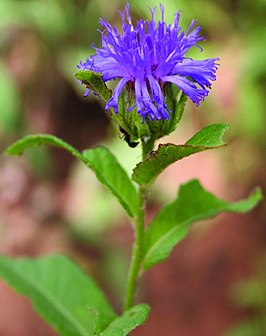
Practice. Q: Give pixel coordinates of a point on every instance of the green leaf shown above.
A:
(192, 204)
(40, 139)
(113, 176)
(94, 81)
(104, 164)
(61, 293)
(208, 137)
(132, 318)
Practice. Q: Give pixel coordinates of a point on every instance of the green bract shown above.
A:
(131, 122)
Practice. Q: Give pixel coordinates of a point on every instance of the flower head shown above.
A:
(147, 56)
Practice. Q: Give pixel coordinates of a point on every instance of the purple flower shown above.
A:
(147, 56)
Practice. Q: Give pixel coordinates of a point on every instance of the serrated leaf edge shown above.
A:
(161, 146)
(256, 195)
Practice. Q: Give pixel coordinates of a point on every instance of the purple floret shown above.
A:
(148, 56)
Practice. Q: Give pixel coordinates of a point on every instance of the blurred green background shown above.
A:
(51, 203)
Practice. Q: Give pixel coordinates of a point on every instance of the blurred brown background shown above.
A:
(213, 283)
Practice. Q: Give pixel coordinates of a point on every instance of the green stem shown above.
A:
(147, 147)
(134, 268)
(137, 253)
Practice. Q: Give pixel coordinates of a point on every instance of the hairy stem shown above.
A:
(137, 252)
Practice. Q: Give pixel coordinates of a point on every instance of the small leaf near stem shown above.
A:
(139, 225)
(125, 323)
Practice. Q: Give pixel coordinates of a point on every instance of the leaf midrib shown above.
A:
(180, 226)
(49, 298)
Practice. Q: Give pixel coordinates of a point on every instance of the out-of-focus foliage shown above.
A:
(9, 103)
(65, 27)
(250, 294)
